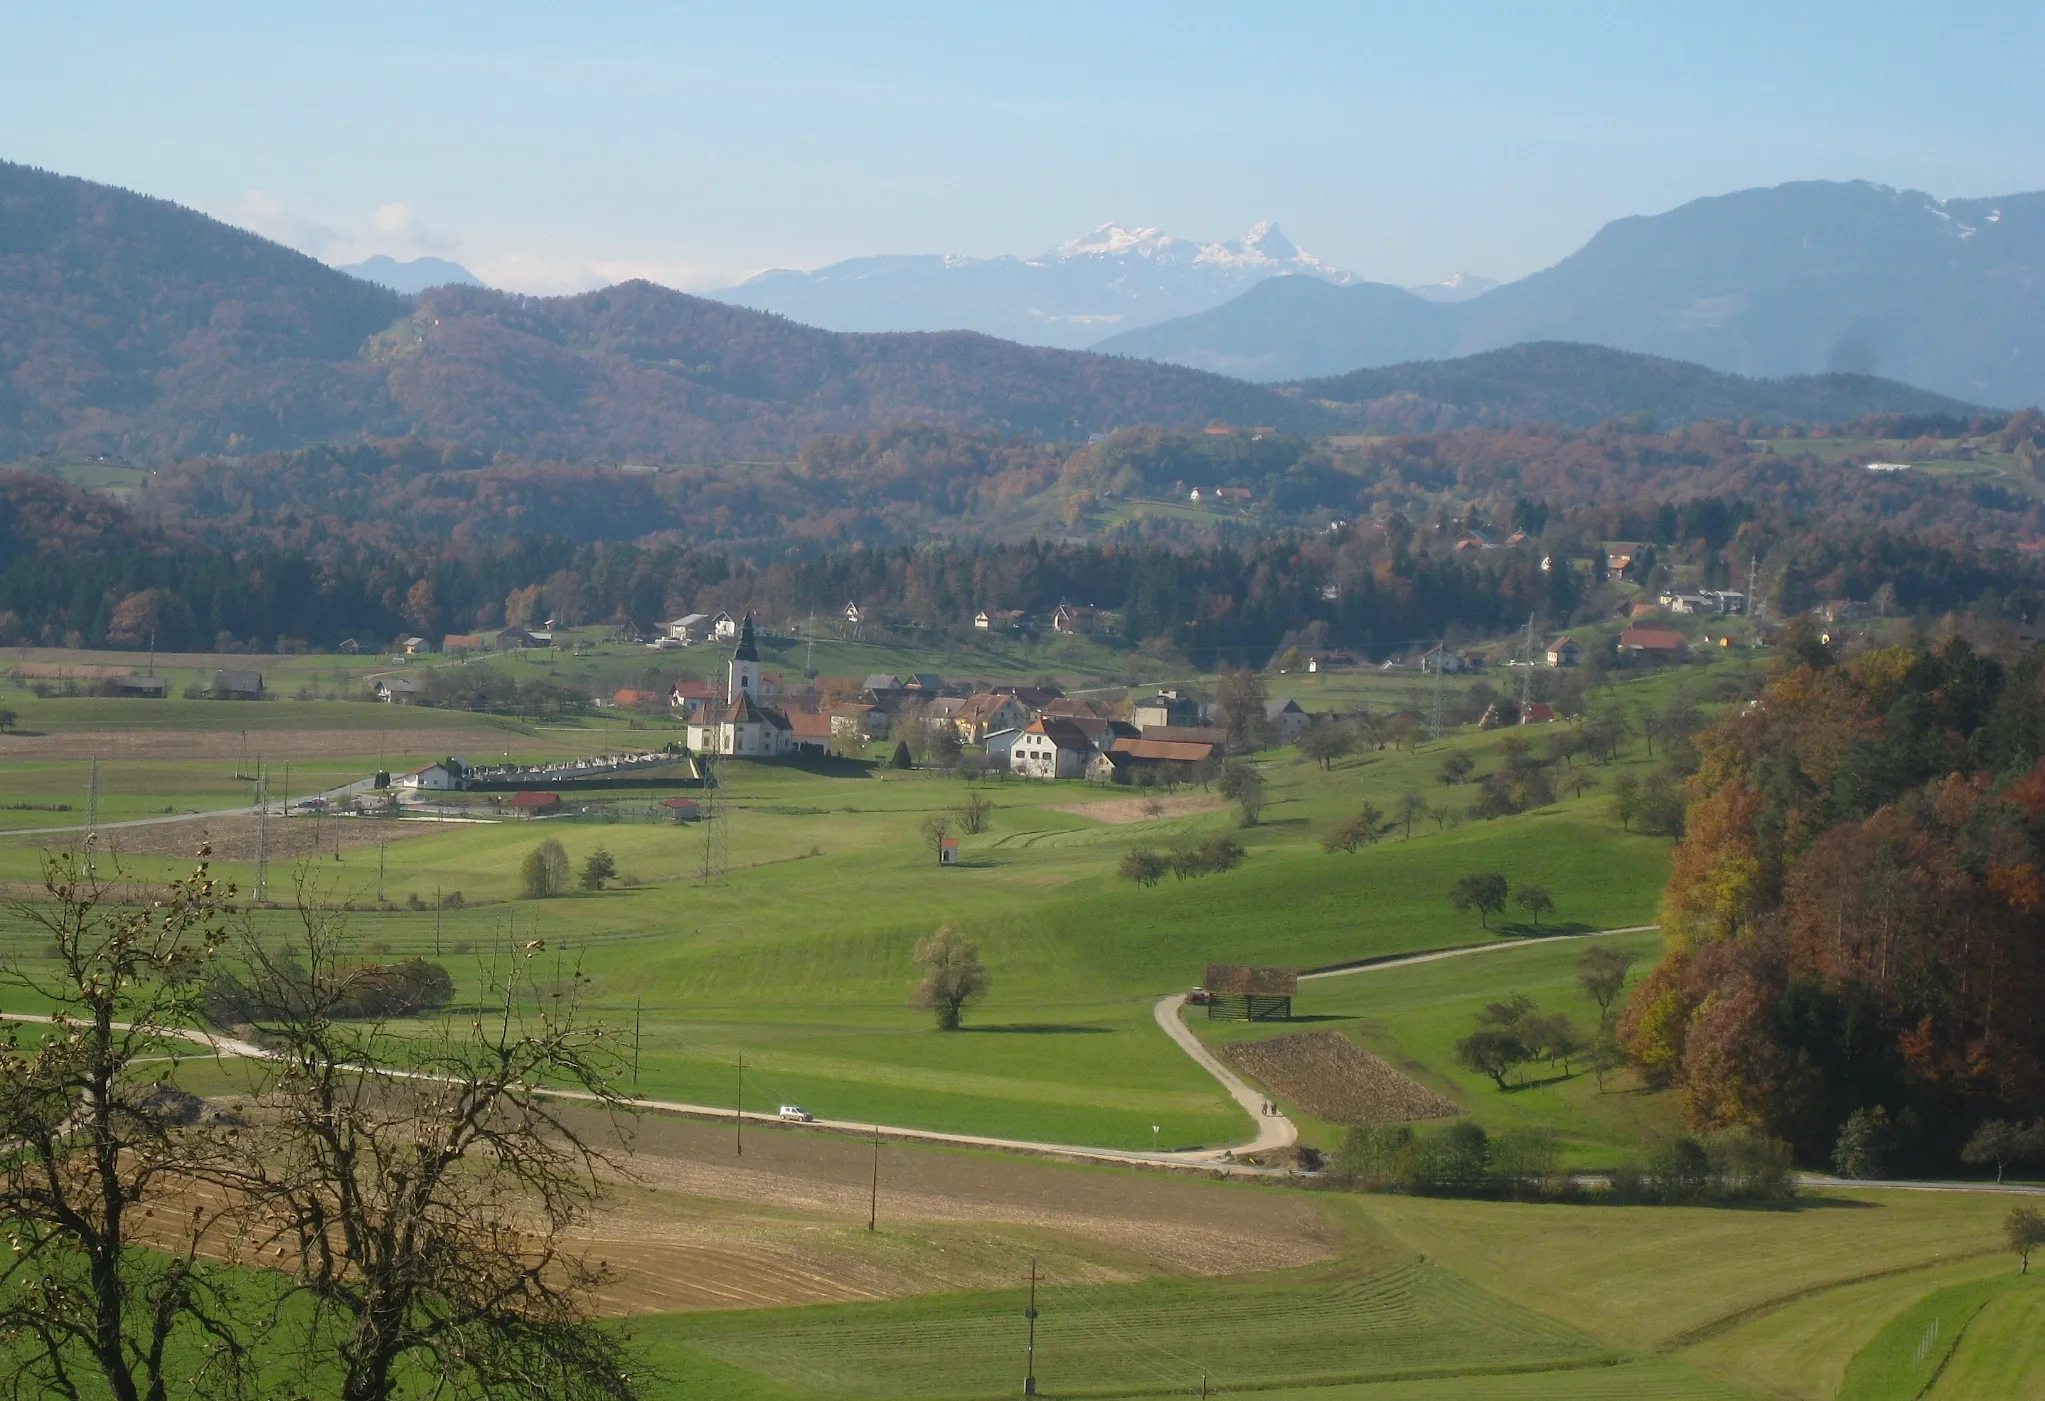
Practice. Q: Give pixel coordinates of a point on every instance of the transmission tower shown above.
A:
(716, 840)
(809, 654)
(1753, 600)
(260, 891)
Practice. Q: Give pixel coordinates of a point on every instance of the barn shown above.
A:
(1241, 994)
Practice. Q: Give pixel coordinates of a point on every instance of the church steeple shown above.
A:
(743, 677)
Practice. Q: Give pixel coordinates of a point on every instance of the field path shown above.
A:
(1274, 1130)
(1373, 965)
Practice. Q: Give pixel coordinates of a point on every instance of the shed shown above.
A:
(237, 685)
(682, 809)
(533, 804)
(947, 851)
(1236, 993)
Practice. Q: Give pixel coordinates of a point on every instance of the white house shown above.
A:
(397, 690)
(1050, 748)
(443, 777)
(1441, 659)
(1565, 651)
(724, 627)
(854, 614)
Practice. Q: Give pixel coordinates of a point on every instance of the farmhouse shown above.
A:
(1050, 748)
(1169, 707)
(1565, 651)
(690, 697)
(743, 726)
(443, 777)
(689, 629)
(858, 722)
(147, 687)
(723, 627)
(397, 690)
(998, 619)
(1077, 621)
(1000, 745)
(1178, 760)
(1033, 698)
(810, 727)
(514, 637)
(237, 685)
(1286, 719)
(854, 614)
(981, 715)
(415, 646)
(1188, 734)
(1441, 659)
(1653, 644)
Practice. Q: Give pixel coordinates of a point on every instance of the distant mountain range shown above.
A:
(134, 327)
(1801, 278)
(1109, 280)
(414, 275)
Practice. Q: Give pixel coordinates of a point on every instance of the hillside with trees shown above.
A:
(1854, 914)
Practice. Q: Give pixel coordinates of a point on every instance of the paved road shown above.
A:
(1375, 965)
(279, 809)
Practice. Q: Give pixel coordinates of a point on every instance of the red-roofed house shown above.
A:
(533, 804)
(1655, 644)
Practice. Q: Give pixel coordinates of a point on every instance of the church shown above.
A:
(742, 726)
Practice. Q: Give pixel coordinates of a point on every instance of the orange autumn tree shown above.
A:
(1856, 917)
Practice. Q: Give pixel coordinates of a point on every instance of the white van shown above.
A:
(796, 1114)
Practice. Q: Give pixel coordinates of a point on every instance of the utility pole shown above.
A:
(1441, 672)
(635, 1040)
(873, 1201)
(1527, 669)
(437, 908)
(739, 1106)
(380, 847)
(1030, 1376)
(261, 891)
(91, 817)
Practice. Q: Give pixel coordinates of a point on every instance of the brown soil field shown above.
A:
(1333, 1078)
(227, 745)
(699, 1227)
(1120, 811)
(288, 838)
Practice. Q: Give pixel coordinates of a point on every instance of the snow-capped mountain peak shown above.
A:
(1262, 252)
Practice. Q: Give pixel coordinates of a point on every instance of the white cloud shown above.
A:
(273, 219)
(546, 274)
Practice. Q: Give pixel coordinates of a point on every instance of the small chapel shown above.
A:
(742, 727)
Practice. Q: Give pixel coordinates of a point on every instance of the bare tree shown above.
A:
(106, 1292)
(416, 1190)
(975, 811)
(1239, 705)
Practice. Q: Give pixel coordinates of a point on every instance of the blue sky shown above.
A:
(554, 147)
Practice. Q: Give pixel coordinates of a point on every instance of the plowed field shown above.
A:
(1333, 1078)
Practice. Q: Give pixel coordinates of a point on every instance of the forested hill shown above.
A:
(1578, 385)
(130, 325)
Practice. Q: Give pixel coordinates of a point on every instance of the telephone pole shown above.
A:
(635, 1039)
(380, 849)
(1527, 669)
(91, 818)
(261, 890)
(1441, 672)
(1030, 1313)
(738, 1117)
(873, 1200)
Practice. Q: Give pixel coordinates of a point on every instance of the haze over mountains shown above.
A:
(1798, 279)
(412, 275)
(134, 327)
(1108, 280)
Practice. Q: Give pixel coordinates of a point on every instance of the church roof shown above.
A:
(747, 711)
(746, 651)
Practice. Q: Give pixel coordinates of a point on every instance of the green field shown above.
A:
(802, 962)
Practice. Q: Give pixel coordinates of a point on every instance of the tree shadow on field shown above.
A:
(1534, 932)
(1041, 1029)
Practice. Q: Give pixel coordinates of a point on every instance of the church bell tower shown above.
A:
(743, 678)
